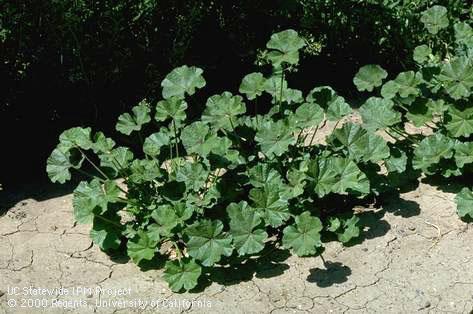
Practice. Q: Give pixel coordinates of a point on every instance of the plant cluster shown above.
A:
(436, 97)
(251, 172)
(229, 183)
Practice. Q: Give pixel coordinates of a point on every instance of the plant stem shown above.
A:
(142, 142)
(281, 89)
(399, 132)
(256, 110)
(178, 251)
(93, 164)
(313, 135)
(175, 137)
(298, 136)
(336, 124)
(406, 137)
(323, 260)
(109, 221)
(231, 123)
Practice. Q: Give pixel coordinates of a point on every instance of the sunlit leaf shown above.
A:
(435, 19)
(369, 76)
(128, 123)
(182, 81)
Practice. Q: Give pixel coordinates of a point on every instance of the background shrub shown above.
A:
(68, 63)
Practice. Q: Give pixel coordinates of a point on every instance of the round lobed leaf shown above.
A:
(181, 81)
(369, 76)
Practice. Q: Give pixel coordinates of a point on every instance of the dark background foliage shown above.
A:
(68, 63)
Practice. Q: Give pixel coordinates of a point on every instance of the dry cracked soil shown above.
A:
(415, 255)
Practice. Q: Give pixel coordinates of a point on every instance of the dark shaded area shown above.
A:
(269, 264)
(40, 190)
(452, 184)
(402, 207)
(82, 63)
(334, 273)
(372, 225)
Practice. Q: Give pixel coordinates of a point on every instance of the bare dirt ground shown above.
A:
(410, 259)
(414, 255)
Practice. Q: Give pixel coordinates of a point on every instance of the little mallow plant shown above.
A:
(436, 97)
(237, 180)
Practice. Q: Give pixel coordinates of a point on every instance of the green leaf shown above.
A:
(197, 139)
(169, 216)
(349, 177)
(193, 138)
(267, 201)
(252, 85)
(59, 163)
(153, 143)
(207, 243)
(420, 112)
(274, 138)
(182, 274)
(334, 105)
(290, 95)
(193, 174)
(285, 47)
(273, 86)
(378, 113)
(430, 150)
(153, 231)
(463, 153)
(222, 110)
(459, 122)
(457, 77)
(117, 160)
(361, 145)
(333, 224)
(128, 123)
(244, 220)
(102, 144)
(397, 161)
(350, 230)
(369, 76)
(389, 89)
(422, 53)
(91, 198)
(435, 19)
(407, 83)
(295, 185)
(76, 137)
(463, 34)
(337, 109)
(304, 237)
(172, 108)
(106, 235)
(336, 175)
(181, 81)
(464, 200)
(144, 170)
(263, 174)
(141, 247)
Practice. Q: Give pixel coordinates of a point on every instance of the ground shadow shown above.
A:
(449, 185)
(467, 219)
(372, 225)
(269, 264)
(401, 207)
(15, 195)
(334, 273)
(157, 262)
